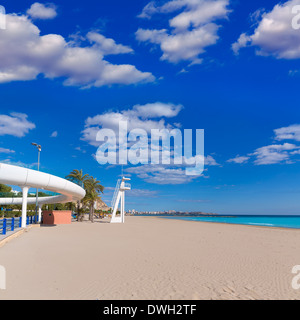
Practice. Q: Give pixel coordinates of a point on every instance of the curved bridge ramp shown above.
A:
(28, 178)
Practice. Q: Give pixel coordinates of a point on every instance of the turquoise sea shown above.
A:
(265, 221)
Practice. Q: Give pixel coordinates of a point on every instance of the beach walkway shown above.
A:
(8, 233)
(151, 258)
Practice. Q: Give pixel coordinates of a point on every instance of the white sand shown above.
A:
(151, 258)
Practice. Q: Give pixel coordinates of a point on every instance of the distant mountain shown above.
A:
(101, 205)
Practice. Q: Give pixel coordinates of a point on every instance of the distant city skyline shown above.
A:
(69, 69)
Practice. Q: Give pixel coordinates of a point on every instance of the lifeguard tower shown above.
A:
(119, 199)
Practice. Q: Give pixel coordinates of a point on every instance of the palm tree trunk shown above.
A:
(78, 210)
(93, 211)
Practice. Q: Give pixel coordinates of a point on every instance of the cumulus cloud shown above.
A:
(15, 124)
(274, 34)
(288, 133)
(42, 11)
(239, 159)
(159, 174)
(157, 110)
(242, 42)
(142, 193)
(107, 45)
(147, 117)
(148, 11)
(168, 174)
(296, 152)
(25, 54)
(190, 32)
(210, 161)
(4, 150)
(19, 163)
(273, 154)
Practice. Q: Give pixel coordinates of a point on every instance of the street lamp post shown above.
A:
(37, 191)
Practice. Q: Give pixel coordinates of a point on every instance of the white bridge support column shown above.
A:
(24, 206)
(40, 214)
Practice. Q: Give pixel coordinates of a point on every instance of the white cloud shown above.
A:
(242, 42)
(142, 193)
(194, 12)
(42, 11)
(107, 45)
(157, 110)
(190, 32)
(182, 46)
(147, 117)
(148, 11)
(19, 163)
(54, 134)
(274, 154)
(239, 159)
(274, 34)
(15, 124)
(198, 13)
(288, 133)
(4, 150)
(296, 152)
(80, 149)
(55, 57)
(159, 174)
(210, 161)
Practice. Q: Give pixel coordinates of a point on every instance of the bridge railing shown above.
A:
(8, 195)
(10, 224)
(127, 185)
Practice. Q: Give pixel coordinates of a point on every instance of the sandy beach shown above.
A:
(151, 258)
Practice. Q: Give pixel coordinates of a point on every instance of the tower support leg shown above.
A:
(24, 206)
(123, 207)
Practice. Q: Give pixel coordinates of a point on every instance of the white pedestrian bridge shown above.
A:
(28, 178)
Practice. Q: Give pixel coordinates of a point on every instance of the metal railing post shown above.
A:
(4, 226)
(12, 224)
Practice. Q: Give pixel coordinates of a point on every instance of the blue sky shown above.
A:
(232, 66)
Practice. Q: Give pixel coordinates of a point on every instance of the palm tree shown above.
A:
(79, 178)
(93, 188)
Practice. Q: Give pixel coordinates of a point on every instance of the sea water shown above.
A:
(265, 221)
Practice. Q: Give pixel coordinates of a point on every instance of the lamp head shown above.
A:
(37, 145)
